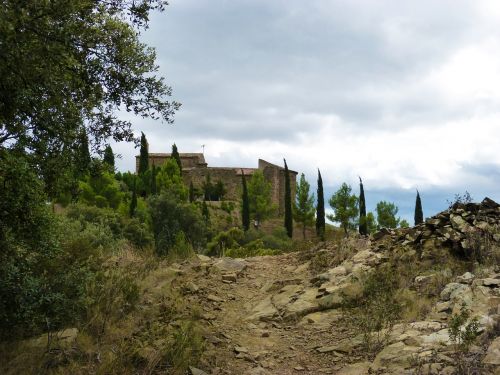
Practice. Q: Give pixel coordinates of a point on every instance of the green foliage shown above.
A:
(101, 190)
(245, 208)
(154, 189)
(374, 312)
(181, 249)
(192, 196)
(363, 228)
(386, 215)
(211, 191)
(227, 206)
(419, 214)
(185, 349)
(205, 212)
(143, 155)
(109, 158)
(171, 216)
(135, 230)
(320, 209)
(133, 201)
(370, 223)
(224, 241)
(82, 155)
(288, 203)
(304, 205)
(46, 284)
(259, 197)
(240, 244)
(169, 179)
(72, 63)
(345, 206)
(175, 155)
(404, 224)
(462, 330)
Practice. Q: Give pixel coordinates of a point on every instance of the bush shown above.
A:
(171, 216)
(376, 310)
(137, 232)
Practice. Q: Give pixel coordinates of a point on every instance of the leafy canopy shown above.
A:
(304, 204)
(386, 215)
(345, 207)
(66, 65)
(259, 197)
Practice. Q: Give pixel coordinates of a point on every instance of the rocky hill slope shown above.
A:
(422, 300)
(288, 314)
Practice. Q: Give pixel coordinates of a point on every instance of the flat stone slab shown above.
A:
(230, 265)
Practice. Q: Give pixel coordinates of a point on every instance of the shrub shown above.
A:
(171, 216)
(376, 310)
(463, 333)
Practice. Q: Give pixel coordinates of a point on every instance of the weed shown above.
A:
(463, 332)
(375, 312)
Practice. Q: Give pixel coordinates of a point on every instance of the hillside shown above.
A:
(423, 300)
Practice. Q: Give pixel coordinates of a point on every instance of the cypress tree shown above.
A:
(144, 155)
(363, 229)
(175, 155)
(288, 203)
(245, 207)
(419, 214)
(320, 209)
(133, 201)
(154, 189)
(191, 192)
(109, 158)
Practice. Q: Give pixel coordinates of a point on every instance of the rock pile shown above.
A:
(468, 230)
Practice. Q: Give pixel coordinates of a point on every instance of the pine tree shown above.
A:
(363, 229)
(144, 155)
(109, 158)
(288, 203)
(191, 192)
(133, 201)
(304, 205)
(175, 155)
(320, 209)
(419, 214)
(154, 189)
(245, 208)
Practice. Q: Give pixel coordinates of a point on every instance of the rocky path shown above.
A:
(275, 315)
(249, 331)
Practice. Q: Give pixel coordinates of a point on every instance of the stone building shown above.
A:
(196, 169)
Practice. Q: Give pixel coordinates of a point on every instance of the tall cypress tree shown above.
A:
(133, 201)
(288, 203)
(419, 214)
(144, 155)
(154, 189)
(245, 208)
(191, 192)
(320, 209)
(363, 229)
(109, 158)
(175, 155)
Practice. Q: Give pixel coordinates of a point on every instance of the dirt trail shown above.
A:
(238, 342)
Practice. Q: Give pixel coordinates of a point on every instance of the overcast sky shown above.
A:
(405, 94)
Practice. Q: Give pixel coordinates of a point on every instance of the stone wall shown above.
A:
(195, 169)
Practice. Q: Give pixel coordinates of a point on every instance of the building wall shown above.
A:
(196, 172)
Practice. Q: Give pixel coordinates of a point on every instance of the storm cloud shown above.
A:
(404, 94)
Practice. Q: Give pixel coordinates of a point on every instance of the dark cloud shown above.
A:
(253, 72)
